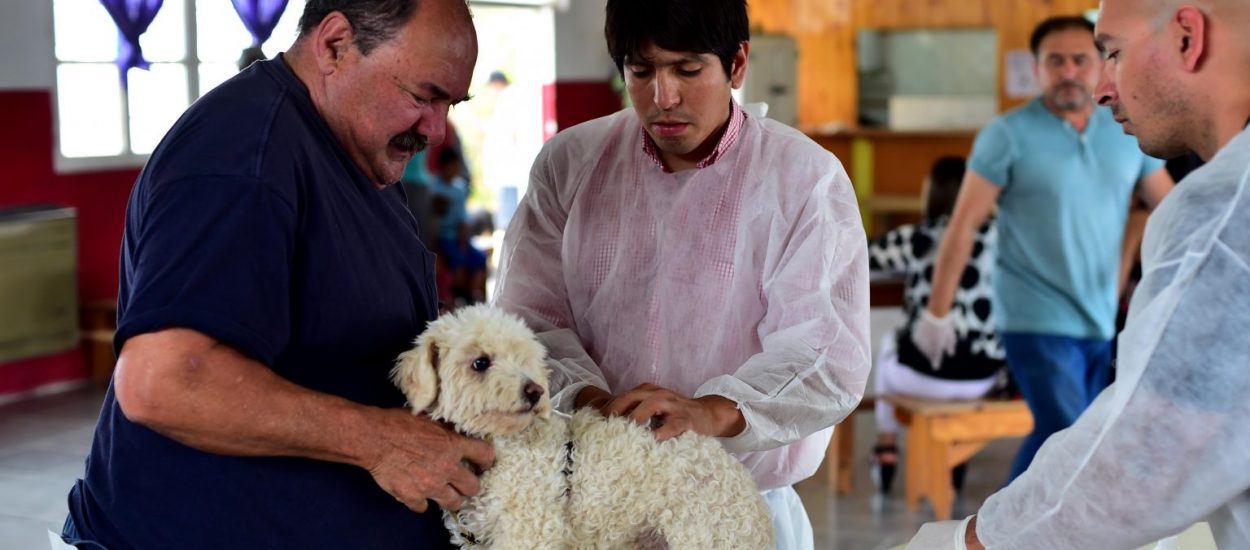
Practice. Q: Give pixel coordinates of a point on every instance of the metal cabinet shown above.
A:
(38, 281)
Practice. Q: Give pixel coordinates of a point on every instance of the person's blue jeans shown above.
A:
(1059, 377)
(69, 534)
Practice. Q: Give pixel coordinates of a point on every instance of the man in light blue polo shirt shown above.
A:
(1062, 174)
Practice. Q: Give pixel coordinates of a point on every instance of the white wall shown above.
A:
(26, 54)
(581, 53)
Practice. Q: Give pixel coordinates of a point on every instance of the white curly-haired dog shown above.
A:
(559, 481)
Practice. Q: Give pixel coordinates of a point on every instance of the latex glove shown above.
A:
(941, 535)
(934, 337)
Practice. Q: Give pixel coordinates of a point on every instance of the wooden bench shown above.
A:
(99, 322)
(840, 455)
(944, 434)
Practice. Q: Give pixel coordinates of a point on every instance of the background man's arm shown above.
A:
(1130, 250)
(934, 332)
(1151, 190)
(977, 197)
(1153, 187)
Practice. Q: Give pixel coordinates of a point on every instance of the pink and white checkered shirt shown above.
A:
(727, 140)
(746, 279)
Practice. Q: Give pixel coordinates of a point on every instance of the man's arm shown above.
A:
(815, 356)
(934, 332)
(1153, 187)
(531, 285)
(1166, 444)
(1130, 249)
(206, 395)
(977, 197)
(710, 415)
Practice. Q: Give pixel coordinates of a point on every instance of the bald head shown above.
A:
(1177, 71)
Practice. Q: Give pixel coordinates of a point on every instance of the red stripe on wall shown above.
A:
(26, 153)
(550, 126)
(579, 101)
(28, 374)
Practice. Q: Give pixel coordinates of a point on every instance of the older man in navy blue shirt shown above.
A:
(270, 274)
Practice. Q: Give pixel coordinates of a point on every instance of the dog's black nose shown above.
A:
(533, 392)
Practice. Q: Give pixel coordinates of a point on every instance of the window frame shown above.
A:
(127, 159)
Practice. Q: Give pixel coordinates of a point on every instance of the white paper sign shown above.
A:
(1018, 75)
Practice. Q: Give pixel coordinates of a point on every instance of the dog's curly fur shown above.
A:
(580, 481)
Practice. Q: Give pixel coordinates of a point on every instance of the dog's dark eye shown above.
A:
(481, 363)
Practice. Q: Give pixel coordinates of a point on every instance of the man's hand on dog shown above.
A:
(418, 459)
(671, 414)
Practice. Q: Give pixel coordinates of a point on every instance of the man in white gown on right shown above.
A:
(1168, 444)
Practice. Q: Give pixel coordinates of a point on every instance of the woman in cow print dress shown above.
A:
(973, 370)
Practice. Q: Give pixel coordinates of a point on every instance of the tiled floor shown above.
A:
(865, 520)
(42, 445)
(43, 441)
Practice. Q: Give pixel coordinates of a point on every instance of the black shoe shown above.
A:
(957, 477)
(883, 472)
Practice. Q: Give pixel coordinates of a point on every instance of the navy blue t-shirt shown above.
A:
(251, 224)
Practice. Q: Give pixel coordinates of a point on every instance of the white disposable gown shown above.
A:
(1168, 444)
(747, 279)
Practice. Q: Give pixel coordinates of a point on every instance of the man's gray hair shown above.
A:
(373, 21)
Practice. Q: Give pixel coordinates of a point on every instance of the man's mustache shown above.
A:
(1071, 84)
(410, 141)
(670, 116)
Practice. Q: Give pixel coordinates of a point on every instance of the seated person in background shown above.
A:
(416, 185)
(448, 182)
(902, 369)
(467, 265)
(464, 265)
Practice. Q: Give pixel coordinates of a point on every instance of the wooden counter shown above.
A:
(888, 169)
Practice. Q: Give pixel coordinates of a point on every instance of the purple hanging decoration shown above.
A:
(260, 17)
(132, 18)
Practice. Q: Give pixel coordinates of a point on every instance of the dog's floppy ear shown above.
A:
(416, 373)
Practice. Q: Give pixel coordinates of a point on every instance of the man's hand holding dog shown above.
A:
(672, 414)
(417, 459)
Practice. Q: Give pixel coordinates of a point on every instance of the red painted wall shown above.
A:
(577, 101)
(26, 153)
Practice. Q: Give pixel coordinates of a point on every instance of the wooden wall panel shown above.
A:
(903, 161)
(825, 33)
(901, 14)
(840, 146)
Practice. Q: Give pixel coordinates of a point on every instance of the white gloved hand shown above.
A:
(934, 337)
(941, 535)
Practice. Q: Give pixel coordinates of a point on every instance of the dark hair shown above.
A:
(373, 21)
(1056, 24)
(449, 155)
(945, 178)
(251, 54)
(696, 26)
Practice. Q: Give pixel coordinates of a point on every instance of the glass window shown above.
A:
(157, 98)
(89, 104)
(193, 46)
